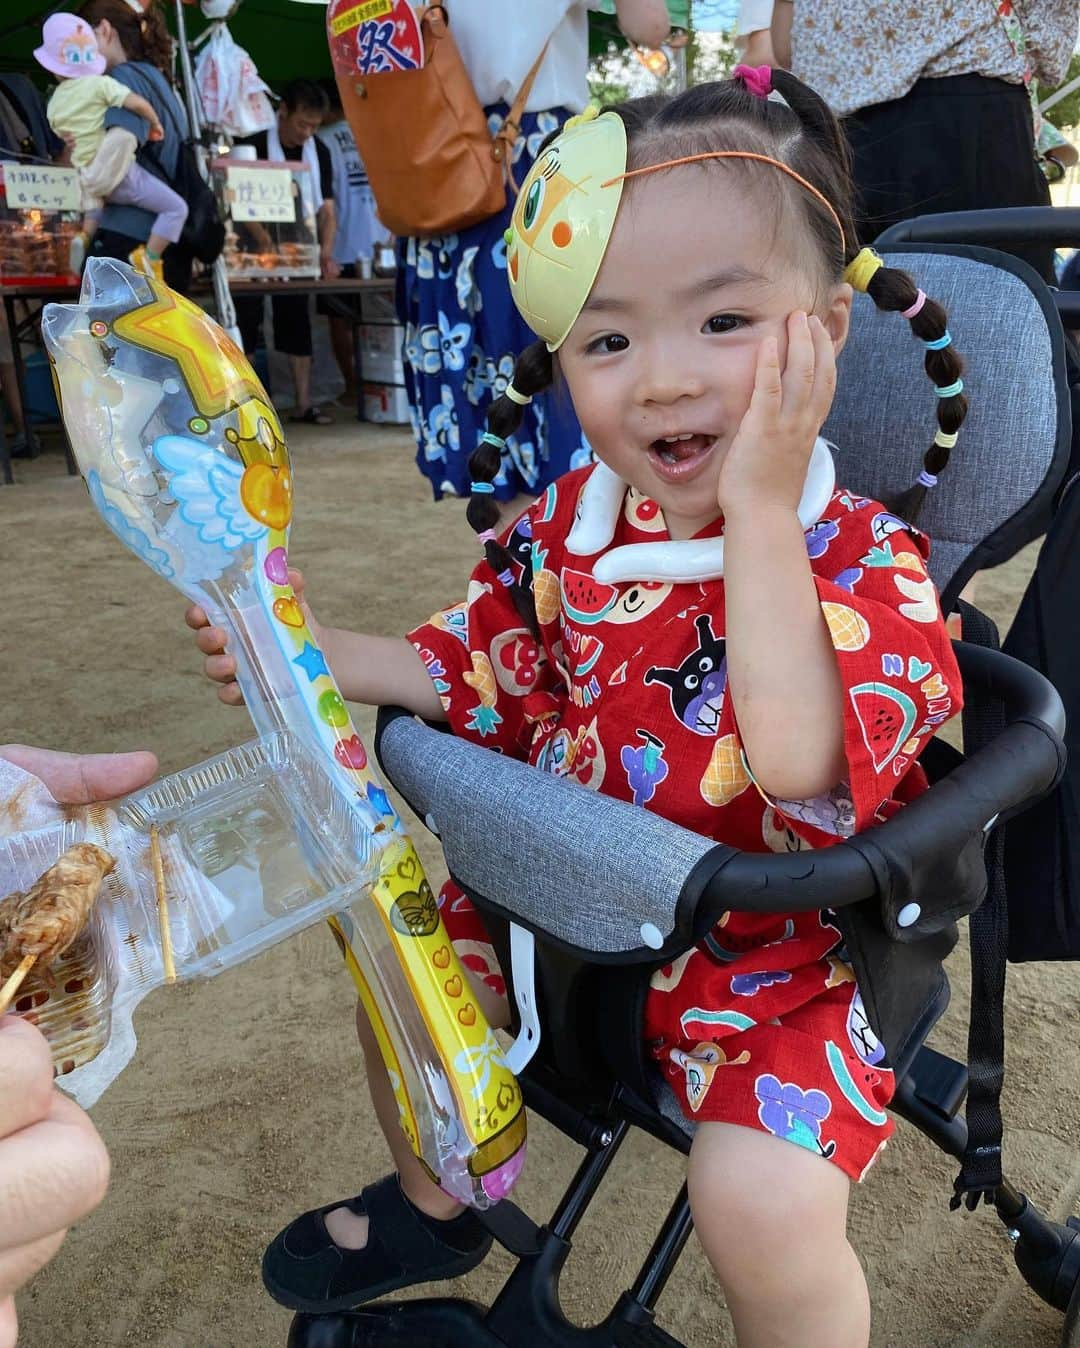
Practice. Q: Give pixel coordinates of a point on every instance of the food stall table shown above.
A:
(36, 294)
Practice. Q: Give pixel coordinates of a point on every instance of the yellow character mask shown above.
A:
(562, 223)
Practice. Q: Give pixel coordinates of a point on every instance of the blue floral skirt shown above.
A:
(462, 336)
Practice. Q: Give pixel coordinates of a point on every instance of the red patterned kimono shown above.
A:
(761, 1024)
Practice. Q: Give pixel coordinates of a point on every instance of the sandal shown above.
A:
(314, 416)
(305, 1269)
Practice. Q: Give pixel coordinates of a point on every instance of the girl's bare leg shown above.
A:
(772, 1218)
(348, 1229)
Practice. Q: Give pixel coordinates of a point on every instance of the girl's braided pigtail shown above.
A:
(890, 289)
(533, 373)
(895, 292)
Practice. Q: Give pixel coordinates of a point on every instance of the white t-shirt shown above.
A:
(500, 39)
(754, 15)
(358, 228)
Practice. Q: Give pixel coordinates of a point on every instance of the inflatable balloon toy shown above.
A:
(186, 461)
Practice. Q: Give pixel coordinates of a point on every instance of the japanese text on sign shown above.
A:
(41, 187)
(261, 194)
(382, 47)
(372, 9)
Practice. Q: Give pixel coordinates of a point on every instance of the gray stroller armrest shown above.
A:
(621, 884)
(597, 874)
(594, 874)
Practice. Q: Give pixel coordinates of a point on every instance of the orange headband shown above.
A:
(740, 154)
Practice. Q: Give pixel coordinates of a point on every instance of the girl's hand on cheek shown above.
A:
(766, 464)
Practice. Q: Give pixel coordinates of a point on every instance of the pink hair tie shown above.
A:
(756, 80)
(488, 536)
(920, 300)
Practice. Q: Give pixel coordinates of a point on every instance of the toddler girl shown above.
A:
(76, 112)
(702, 623)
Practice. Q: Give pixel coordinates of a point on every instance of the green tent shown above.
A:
(286, 39)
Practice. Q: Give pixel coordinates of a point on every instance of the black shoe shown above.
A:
(305, 1269)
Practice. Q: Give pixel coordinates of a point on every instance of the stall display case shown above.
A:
(35, 241)
(269, 219)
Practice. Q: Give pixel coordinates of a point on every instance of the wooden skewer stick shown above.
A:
(14, 982)
(162, 907)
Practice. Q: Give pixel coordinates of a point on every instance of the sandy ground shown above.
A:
(245, 1103)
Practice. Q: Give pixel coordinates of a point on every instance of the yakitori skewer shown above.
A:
(41, 924)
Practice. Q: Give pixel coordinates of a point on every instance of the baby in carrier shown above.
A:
(105, 159)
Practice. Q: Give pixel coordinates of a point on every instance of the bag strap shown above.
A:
(508, 133)
(988, 928)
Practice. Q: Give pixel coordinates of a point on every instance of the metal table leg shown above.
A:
(16, 331)
(33, 449)
(5, 455)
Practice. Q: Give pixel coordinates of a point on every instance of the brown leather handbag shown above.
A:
(433, 165)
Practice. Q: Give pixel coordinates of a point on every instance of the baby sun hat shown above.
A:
(69, 48)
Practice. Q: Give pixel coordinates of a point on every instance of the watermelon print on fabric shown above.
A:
(626, 692)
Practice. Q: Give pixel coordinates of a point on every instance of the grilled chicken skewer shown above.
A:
(42, 923)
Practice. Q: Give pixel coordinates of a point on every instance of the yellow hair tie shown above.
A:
(860, 271)
(591, 112)
(946, 440)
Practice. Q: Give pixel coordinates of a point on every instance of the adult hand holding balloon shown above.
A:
(186, 461)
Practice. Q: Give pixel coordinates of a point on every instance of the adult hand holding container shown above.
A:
(186, 461)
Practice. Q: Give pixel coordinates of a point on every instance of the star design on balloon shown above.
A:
(311, 661)
(217, 373)
(379, 799)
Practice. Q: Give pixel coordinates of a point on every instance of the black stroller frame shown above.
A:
(585, 988)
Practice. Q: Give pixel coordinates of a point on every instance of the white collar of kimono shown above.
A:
(676, 560)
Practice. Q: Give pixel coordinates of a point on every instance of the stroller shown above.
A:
(580, 932)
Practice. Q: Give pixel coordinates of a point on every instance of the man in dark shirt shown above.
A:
(303, 106)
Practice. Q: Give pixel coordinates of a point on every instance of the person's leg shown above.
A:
(249, 319)
(401, 1229)
(341, 339)
(292, 337)
(342, 312)
(301, 373)
(349, 1229)
(139, 187)
(772, 1218)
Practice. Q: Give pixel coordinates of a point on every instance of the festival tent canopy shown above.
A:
(285, 38)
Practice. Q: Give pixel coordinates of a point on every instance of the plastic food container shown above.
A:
(255, 844)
